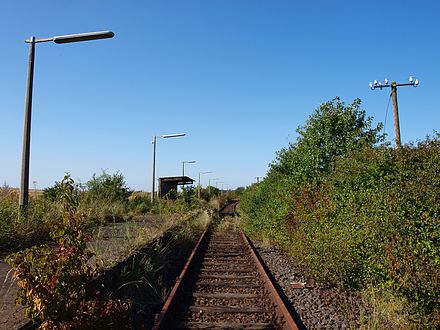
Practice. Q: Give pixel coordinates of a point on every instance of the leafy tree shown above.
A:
(209, 193)
(239, 191)
(51, 193)
(108, 187)
(333, 130)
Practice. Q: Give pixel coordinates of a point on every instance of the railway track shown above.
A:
(224, 286)
(229, 209)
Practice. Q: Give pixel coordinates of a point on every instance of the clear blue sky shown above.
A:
(238, 76)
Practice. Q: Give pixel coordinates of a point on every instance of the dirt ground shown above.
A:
(11, 315)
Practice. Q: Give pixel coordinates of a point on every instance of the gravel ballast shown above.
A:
(317, 305)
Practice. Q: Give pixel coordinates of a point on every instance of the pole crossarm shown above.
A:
(393, 85)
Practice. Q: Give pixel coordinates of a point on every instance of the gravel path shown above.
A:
(317, 305)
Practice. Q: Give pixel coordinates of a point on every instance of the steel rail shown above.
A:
(164, 319)
(282, 309)
(169, 303)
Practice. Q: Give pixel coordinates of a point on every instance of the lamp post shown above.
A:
(200, 187)
(209, 184)
(378, 84)
(24, 186)
(186, 162)
(213, 179)
(166, 136)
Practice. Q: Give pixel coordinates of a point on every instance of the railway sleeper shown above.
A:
(227, 289)
(239, 318)
(226, 326)
(240, 302)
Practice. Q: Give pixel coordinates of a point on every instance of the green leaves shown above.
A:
(353, 212)
(108, 187)
(52, 280)
(332, 131)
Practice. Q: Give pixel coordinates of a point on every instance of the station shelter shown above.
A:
(171, 182)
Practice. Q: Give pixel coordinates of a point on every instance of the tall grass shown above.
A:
(103, 200)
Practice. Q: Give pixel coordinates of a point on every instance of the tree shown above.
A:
(108, 187)
(332, 131)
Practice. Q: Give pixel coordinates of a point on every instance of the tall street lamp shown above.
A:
(186, 162)
(213, 179)
(166, 136)
(24, 186)
(209, 184)
(200, 187)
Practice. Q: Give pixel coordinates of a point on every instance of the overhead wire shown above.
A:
(386, 114)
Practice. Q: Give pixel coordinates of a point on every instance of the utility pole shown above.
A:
(396, 114)
(393, 86)
(153, 181)
(200, 187)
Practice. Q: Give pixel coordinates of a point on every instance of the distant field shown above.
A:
(32, 192)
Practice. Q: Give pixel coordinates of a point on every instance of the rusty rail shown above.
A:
(238, 292)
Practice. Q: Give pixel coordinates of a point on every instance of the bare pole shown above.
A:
(154, 169)
(396, 114)
(24, 186)
(200, 187)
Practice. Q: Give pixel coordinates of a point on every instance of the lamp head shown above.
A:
(83, 37)
(166, 136)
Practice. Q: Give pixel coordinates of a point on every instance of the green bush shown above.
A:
(374, 220)
(109, 188)
(356, 214)
(264, 206)
(53, 281)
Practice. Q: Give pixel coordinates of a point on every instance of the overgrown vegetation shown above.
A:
(52, 280)
(103, 199)
(147, 277)
(356, 213)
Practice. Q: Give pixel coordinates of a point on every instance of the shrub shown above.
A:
(52, 282)
(356, 214)
(109, 188)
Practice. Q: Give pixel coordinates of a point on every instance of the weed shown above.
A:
(52, 282)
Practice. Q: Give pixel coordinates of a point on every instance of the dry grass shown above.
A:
(228, 223)
(387, 311)
(113, 242)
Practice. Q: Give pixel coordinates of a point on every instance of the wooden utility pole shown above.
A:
(393, 86)
(396, 114)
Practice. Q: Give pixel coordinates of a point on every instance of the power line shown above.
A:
(378, 84)
(386, 114)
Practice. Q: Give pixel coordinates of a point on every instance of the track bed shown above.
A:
(224, 286)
